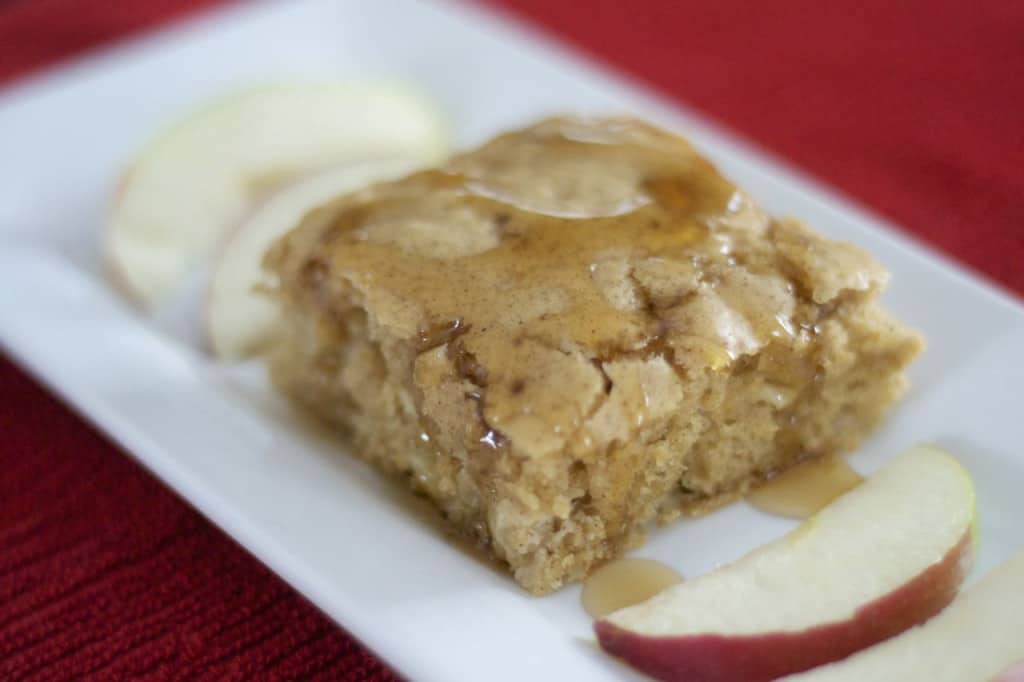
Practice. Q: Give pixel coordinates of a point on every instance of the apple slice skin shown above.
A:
(760, 658)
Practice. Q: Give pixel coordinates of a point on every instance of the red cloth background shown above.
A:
(914, 108)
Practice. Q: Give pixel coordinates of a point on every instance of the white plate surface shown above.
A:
(331, 527)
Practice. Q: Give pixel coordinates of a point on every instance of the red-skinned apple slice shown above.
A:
(191, 185)
(979, 638)
(888, 555)
(239, 318)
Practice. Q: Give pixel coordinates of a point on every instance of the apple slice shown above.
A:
(979, 638)
(889, 554)
(239, 318)
(192, 184)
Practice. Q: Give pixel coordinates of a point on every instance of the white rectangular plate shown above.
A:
(322, 520)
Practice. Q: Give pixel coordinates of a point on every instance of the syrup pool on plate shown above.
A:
(806, 488)
(625, 582)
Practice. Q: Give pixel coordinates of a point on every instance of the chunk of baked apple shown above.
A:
(884, 557)
(195, 181)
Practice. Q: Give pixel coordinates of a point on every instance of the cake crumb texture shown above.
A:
(576, 329)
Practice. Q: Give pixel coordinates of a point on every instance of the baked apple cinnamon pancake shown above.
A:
(576, 329)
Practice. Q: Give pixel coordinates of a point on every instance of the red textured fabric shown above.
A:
(915, 108)
(36, 33)
(105, 574)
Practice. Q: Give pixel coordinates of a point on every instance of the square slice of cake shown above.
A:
(576, 329)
